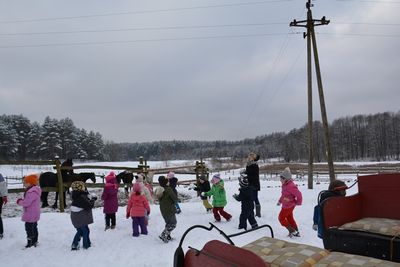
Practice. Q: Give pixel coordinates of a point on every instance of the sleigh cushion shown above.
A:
(281, 253)
(383, 226)
(350, 260)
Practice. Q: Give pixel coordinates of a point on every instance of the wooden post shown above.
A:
(60, 184)
(310, 23)
(310, 109)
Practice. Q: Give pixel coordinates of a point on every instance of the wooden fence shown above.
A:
(198, 169)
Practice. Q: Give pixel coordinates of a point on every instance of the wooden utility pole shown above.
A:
(310, 23)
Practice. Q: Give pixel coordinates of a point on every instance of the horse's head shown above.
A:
(93, 178)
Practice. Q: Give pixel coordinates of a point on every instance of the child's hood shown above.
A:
(34, 190)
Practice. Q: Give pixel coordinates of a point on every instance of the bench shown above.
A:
(367, 223)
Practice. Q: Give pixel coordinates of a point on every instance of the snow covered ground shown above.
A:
(118, 247)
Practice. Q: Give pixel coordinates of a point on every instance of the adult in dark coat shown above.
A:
(252, 173)
(81, 214)
(245, 196)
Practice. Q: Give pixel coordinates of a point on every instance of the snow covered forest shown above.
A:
(361, 137)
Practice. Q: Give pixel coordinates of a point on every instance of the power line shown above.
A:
(146, 11)
(143, 40)
(372, 1)
(361, 34)
(184, 28)
(147, 29)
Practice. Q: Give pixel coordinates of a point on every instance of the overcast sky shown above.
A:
(154, 70)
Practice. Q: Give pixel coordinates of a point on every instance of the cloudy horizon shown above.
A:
(136, 71)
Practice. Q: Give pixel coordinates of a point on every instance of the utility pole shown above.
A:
(310, 23)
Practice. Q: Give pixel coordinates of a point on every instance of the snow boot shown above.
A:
(258, 211)
(29, 243)
(164, 236)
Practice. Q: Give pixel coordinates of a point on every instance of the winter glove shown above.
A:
(195, 188)
(127, 215)
(94, 198)
(5, 200)
(315, 227)
(19, 200)
(236, 196)
(278, 204)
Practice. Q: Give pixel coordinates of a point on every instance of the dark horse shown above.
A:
(127, 178)
(49, 179)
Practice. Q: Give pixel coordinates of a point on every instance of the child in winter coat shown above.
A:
(31, 204)
(246, 197)
(337, 188)
(81, 214)
(110, 198)
(204, 186)
(219, 198)
(3, 200)
(140, 179)
(173, 182)
(168, 200)
(137, 209)
(290, 197)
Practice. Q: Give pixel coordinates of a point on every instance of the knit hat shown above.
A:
(203, 177)
(31, 179)
(111, 176)
(170, 175)
(162, 181)
(216, 178)
(139, 177)
(137, 187)
(286, 174)
(78, 186)
(243, 182)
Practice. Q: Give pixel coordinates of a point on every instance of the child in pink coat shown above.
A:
(110, 198)
(290, 198)
(138, 207)
(31, 205)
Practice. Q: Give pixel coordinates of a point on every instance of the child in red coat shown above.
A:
(138, 207)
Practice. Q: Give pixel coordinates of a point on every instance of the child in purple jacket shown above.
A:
(31, 205)
(110, 198)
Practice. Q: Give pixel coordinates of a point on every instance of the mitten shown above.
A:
(5, 200)
(19, 200)
(315, 227)
(127, 215)
(278, 204)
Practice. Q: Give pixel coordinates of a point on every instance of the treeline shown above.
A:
(22, 140)
(360, 137)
